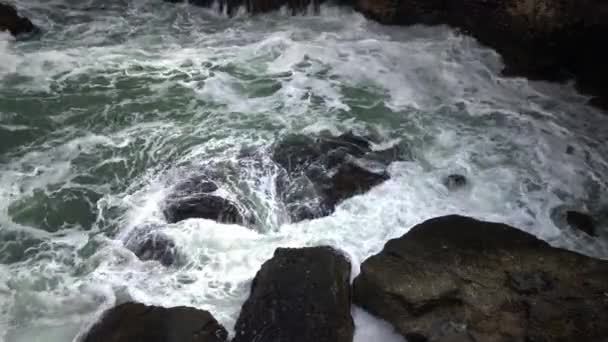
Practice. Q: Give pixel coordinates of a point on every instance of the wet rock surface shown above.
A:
(148, 244)
(455, 181)
(231, 7)
(581, 222)
(314, 174)
(195, 198)
(132, 322)
(458, 279)
(300, 295)
(321, 172)
(541, 39)
(12, 22)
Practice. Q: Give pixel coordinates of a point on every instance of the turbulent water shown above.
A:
(118, 100)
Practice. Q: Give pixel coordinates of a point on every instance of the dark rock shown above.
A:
(195, 185)
(458, 279)
(131, 322)
(193, 198)
(455, 181)
(257, 6)
(543, 39)
(155, 247)
(300, 295)
(582, 222)
(295, 153)
(12, 22)
(529, 282)
(570, 149)
(321, 172)
(349, 180)
(204, 206)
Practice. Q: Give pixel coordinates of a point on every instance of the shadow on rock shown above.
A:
(231, 7)
(569, 218)
(149, 244)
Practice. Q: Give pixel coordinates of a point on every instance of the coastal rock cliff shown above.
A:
(553, 40)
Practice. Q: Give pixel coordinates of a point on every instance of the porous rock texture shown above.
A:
(455, 278)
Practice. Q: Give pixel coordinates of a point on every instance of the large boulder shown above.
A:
(319, 173)
(257, 6)
(132, 322)
(458, 279)
(11, 21)
(300, 295)
(542, 39)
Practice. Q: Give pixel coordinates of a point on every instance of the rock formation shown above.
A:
(458, 279)
(540, 39)
(149, 244)
(321, 172)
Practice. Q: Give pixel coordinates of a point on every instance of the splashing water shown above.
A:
(116, 102)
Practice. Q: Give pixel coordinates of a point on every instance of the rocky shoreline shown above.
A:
(552, 40)
(451, 278)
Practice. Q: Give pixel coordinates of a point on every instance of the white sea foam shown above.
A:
(144, 94)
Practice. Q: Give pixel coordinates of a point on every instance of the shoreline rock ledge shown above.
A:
(455, 278)
(300, 295)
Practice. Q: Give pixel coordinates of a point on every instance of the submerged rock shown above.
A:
(11, 21)
(351, 179)
(132, 322)
(455, 181)
(194, 198)
(582, 222)
(542, 39)
(321, 172)
(567, 217)
(458, 279)
(204, 206)
(300, 295)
